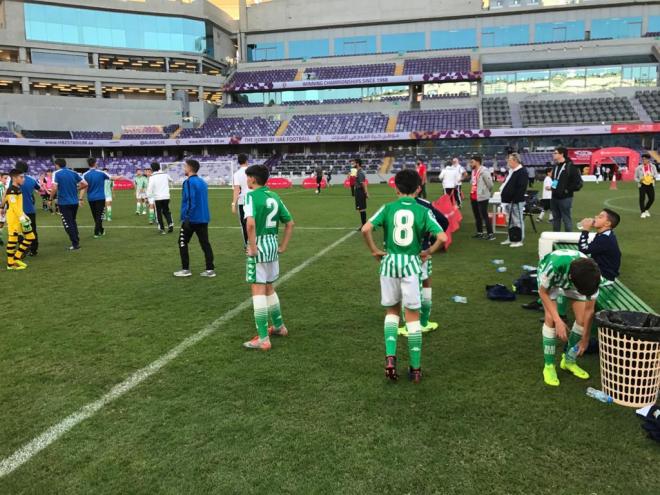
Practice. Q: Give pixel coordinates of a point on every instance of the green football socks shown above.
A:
(425, 312)
(275, 311)
(108, 213)
(391, 331)
(260, 304)
(573, 339)
(152, 215)
(549, 344)
(415, 343)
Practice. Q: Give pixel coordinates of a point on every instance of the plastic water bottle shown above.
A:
(529, 268)
(599, 395)
(572, 353)
(501, 269)
(459, 299)
(498, 262)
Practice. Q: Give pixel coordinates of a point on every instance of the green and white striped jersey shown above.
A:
(405, 223)
(553, 269)
(268, 211)
(107, 188)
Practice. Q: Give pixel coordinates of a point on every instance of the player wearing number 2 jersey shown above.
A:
(405, 223)
(264, 211)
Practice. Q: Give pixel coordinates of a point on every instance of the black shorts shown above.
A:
(360, 200)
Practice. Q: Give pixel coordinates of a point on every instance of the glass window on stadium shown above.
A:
(316, 96)
(451, 90)
(573, 80)
(8, 54)
(78, 26)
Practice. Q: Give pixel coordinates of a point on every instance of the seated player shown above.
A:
(405, 223)
(18, 223)
(570, 274)
(264, 211)
(604, 248)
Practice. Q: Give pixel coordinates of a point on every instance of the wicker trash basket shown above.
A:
(629, 345)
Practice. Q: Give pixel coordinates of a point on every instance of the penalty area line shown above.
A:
(52, 434)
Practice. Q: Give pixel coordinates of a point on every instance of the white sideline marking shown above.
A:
(52, 434)
(609, 204)
(152, 227)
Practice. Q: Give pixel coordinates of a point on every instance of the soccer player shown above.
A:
(108, 185)
(159, 190)
(571, 274)
(195, 218)
(319, 178)
(240, 185)
(361, 192)
(18, 223)
(96, 194)
(3, 188)
(264, 211)
(66, 184)
(141, 183)
(421, 170)
(29, 186)
(405, 223)
(151, 201)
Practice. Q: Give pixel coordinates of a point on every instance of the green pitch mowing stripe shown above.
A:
(52, 434)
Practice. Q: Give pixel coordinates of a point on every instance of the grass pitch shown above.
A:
(315, 415)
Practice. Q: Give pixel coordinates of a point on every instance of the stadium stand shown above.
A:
(436, 65)
(496, 112)
(350, 71)
(304, 163)
(577, 111)
(339, 123)
(6, 133)
(232, 126)
(91, 135)
(263, 76)
(650, 100)
(437, 120)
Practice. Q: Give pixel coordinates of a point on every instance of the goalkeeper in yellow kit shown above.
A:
(18, 223)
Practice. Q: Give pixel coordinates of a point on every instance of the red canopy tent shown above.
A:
(603, 154)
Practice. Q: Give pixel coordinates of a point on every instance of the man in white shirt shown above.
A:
(449, 178)
(158, 189)
(239, 181)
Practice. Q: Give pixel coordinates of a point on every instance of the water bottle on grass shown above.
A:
(599, 395)
(501, 269)
(497, 262)
(459, 299)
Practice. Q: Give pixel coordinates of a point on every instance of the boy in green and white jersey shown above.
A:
(405, 223)
(107, 190)
(141, 182)
(568, 273)
(264, 211)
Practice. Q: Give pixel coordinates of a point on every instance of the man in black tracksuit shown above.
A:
(565, 177)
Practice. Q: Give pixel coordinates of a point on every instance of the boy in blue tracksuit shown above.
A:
(195, 219)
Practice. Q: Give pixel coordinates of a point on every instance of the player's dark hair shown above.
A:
(477, 158)
(60, 162)
(647, 156)
(613, 217)
(194, 164)
(155, 166)
(14, 172)
(22, 166)
(585, 275)
(358, 161)
(562, 151)
(548, 170)
(91, 162)
(407, 181)
(260, 173)
(242, 159)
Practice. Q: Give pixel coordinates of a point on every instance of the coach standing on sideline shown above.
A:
(66, 184)
(361, 192)
(27, 189)
(95, 180)
(159, 189)
(565, 177)
(239, 181)
(195, 218)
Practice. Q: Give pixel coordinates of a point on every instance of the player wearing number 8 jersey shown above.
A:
(405, 223)
(264, 211)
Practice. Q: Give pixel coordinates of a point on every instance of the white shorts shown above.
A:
(404, 290)
(427, 270)
(108, 198)
(152, 201)
(262, 273)
(141, 195)
(555, 292)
